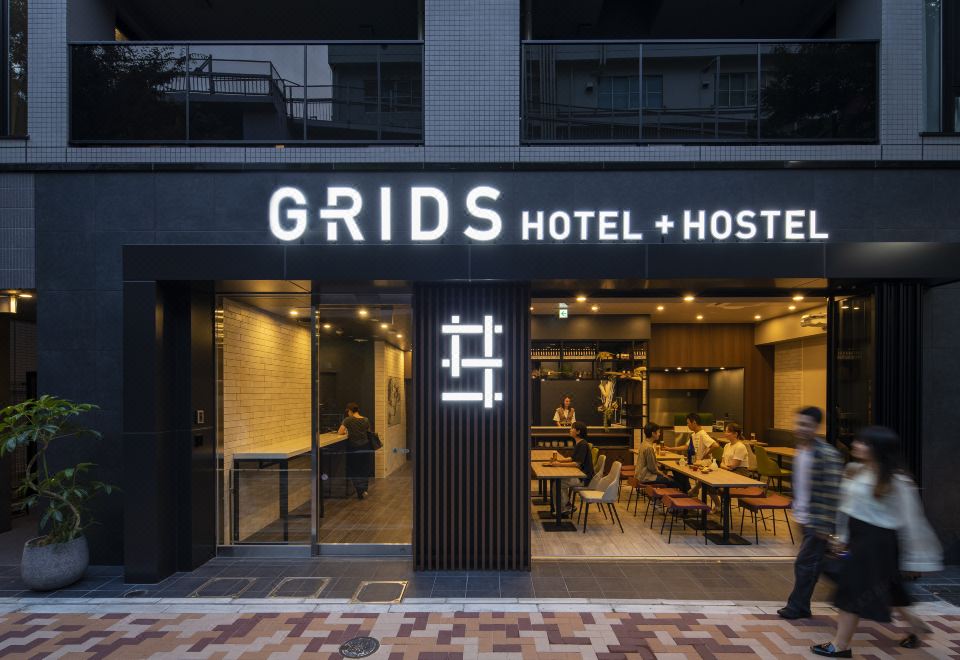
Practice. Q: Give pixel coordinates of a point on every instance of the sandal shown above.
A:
(830, 651)
(911, 641)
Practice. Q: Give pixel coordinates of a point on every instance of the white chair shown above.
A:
(597, 476)
(606, 494)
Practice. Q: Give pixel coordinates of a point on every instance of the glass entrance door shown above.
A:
(360, 395)
(851, 366)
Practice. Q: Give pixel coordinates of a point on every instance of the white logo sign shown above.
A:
(430, 216)
(456, 363)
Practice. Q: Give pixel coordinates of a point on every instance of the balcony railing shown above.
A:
(701, 92)
(259, 93)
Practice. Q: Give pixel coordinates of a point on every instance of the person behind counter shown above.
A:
(355, 426)
(565, 415)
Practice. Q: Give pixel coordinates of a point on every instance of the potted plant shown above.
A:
(59, 556)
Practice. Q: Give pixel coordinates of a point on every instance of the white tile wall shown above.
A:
(266, 399)
(387, 363)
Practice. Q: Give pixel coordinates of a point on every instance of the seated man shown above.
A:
(648, 470)
(581, 459)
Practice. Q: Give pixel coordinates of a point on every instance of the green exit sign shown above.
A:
(563, 313)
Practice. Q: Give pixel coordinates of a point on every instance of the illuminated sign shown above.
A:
(424, 215)
(456, 363)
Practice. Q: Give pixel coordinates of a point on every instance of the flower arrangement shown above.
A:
(607, 404)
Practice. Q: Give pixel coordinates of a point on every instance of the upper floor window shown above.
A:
(13, 114)
(736, 90)
(191, 72)
(942, 65)
(623, 92)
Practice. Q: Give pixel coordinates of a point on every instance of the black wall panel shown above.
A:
(471, 484)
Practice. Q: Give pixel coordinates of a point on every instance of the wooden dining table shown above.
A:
(555, 475)
(722, 480)
(780, 452)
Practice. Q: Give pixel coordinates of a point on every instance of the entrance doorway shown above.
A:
(291, 472)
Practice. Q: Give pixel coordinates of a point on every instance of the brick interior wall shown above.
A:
(799, 378)
(388, 362)
(266, 400)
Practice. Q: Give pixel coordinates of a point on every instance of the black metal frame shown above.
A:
(641, 141)
(187, 44)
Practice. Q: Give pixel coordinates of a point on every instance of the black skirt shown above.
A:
(869, 583)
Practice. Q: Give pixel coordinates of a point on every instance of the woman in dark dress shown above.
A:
(359, 454)
(881, 527)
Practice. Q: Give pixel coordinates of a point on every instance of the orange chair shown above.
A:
(771, 503)
(674, 504)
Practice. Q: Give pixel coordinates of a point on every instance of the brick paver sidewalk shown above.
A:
(712, 633)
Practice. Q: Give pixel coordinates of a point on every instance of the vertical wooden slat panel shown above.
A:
(471, 508)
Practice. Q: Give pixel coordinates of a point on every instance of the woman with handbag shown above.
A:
(359, 455)
(881, 526)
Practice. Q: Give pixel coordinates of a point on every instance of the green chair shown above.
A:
(768, 468)
(717, 452)
(594, 455)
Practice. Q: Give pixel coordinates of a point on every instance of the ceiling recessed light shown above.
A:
(595, 308)
(399, 336)
(722, 368)
(707, 369)
(679, 368)
(294, 312)
(797, 298)
(384, 326)
(856, 309)
(756, 317)
(327, 326)
(25, 295)
(581, 299)
(792, 307)
(699, 317)
(362, 312)
(844, 306)
(531, 308)
(688, 298)
(659, 308)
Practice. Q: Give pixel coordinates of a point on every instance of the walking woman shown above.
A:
(565, 415)
(359, 453)
(881, 524)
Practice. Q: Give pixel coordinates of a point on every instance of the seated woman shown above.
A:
(736, 454)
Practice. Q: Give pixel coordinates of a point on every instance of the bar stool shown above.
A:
(748, 491)
(674, 504)
(636, 488)
(655, 494)
(771, 503)
(627, 472)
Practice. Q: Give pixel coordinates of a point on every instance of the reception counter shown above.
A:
(615, 440)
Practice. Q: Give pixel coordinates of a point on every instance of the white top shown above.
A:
(702, 444)
(857, 500)
(899, 509)
(566, 418)
(736, 451)
(802, 465)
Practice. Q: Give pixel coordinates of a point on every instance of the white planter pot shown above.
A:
(49, 567)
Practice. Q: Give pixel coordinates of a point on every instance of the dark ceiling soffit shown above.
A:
(511, 166)
(933, 262)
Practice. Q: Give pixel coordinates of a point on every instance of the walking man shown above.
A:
(817, 470)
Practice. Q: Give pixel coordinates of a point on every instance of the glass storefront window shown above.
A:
(16, 67)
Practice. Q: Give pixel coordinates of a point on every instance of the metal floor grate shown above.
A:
(299, 587)
(223, 587)
(380, 591)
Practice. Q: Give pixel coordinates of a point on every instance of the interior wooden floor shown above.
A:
(604, 539)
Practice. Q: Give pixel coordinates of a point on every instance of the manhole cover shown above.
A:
(359, 647)
(135, 593)
(386, 591)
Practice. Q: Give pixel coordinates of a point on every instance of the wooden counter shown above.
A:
(287, 449)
